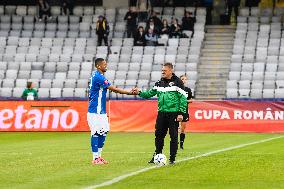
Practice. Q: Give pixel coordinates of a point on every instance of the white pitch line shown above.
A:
(122, 177)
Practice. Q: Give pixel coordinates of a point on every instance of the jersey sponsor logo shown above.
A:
(171, 84)
(106, 82)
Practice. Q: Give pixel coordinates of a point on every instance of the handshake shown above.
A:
(134, 91)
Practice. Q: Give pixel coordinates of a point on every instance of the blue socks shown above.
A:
(97, 143)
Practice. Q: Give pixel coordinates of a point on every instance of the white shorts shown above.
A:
(98, 123)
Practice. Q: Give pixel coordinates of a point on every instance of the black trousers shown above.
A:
(131, 31)
(42, 13)
(167, 121)
(236, 10)
(102, 37)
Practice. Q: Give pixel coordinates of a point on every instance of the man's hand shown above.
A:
(134, 91)
(179, 118)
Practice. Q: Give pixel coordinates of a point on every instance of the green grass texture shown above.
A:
(62, 160)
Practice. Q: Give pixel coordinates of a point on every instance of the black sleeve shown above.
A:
(189, 93)
(107, 28)
(125, 17)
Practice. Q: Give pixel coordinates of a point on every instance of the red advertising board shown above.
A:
(139, 116)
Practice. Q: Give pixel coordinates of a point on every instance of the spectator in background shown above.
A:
(102, 30)
(143, 7)
(151, 38)
(30, 93)
(67, 5)
(131, 19)
(44, 9)
(132, 3)
(175, 29)
(157, 21)
(233, 4)
(188, 22)
(151, 25)
(165, 31)
(139, 39)
(209, 6)
(252, 3)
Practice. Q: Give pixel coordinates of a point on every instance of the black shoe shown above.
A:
(151, 161)
(181, 145)
(172, 162)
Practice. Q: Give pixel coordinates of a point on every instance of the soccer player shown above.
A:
(97, 116)
(186, 115)
(172, 105)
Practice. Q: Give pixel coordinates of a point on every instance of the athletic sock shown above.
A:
(182, 137)
(101, 142)
(100, 152)
(94, 145)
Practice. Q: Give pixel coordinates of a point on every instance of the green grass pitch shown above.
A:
(62, 160)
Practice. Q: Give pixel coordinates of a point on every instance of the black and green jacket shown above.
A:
(171, 95)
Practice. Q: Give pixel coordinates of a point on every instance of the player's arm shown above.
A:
(190, 96)
(118, 90)
(182, 97)
(147, 94)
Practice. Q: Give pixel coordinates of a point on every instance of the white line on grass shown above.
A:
(122, 177)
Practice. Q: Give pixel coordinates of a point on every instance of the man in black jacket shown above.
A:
(188, 22)
(171, 106)
(102, 30)
(131, 19)
(139, 39)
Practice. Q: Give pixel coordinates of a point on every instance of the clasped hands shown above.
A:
(134, 91)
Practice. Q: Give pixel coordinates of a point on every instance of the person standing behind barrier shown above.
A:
(131, 19)
(30, 93)
(172, 105)
(102, 30)
(186, 115)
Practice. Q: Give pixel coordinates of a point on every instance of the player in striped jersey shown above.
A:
(97, 116)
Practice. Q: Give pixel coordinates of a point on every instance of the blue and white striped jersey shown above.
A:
(97, 93)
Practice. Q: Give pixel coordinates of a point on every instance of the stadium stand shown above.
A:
(58, 55)
(256, 69)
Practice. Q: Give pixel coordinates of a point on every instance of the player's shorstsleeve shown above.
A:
(103, 82)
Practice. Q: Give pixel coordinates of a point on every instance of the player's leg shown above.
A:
(173, 130)
(102, 137)
(182, 130)
(160, 133)
(94, 145)
(93, 124)
(182, 134)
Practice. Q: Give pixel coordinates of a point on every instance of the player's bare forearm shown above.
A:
(118, 90)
